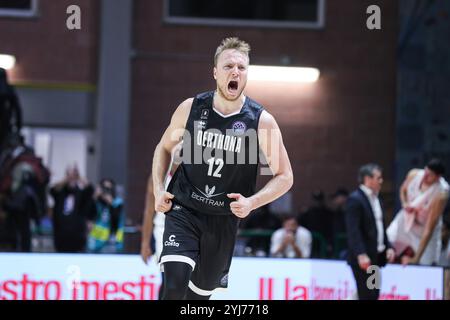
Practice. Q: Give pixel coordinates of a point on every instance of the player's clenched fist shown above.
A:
(163, 201)
(242, 206)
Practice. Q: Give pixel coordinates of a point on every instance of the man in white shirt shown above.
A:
(366, 233)
(291, 241)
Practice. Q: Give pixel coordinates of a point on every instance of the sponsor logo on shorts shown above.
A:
(171, 242)
(176, 207)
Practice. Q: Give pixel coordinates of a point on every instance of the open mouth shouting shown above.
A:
(233, 86)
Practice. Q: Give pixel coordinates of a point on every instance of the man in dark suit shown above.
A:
(366, 232)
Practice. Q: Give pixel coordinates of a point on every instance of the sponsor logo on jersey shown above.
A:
(239, 127)
(206, 196)
(209, 192)
(201, 125)
(205, 114)
(171, 242)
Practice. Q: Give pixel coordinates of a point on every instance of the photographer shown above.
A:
(72, 200)
(10, 110)
(107, 230)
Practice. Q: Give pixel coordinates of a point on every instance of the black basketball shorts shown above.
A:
(205, 242)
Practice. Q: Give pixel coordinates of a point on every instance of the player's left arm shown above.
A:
(271, 144)
(436, 209)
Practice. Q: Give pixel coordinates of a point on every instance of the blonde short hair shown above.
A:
(232, 43)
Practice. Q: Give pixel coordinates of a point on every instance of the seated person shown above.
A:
(291, 241)
(260, 220)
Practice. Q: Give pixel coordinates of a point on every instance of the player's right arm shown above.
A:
(436, 209)
(404, 187)
(162, 156)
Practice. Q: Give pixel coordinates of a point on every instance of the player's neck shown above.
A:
(225, 106)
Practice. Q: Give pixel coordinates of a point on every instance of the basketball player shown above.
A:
(211, 190)
(417, 227)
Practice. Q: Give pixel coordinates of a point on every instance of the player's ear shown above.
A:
(215, 73)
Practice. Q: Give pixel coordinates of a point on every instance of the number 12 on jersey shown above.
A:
(218, 162)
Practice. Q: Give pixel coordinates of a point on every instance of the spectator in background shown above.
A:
(107, 230)
(338, 200)
(261, 219)
(366, 233)
(22, 206)
(23, 184)
(72, 199)
(318, 219)
(10, 110)
(291, 241)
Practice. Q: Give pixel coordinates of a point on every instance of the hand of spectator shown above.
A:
(242, 206)
(363, 261)
(60, 184)
(146, 252)
(83, 182)
(289, 238)
(163, 201)
(98, 192)
(108, 198)
(390, 255)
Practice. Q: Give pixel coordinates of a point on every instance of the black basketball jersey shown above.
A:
(220, 155)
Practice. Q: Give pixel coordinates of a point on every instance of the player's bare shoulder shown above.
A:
(186, 104)
(181, 114)
(267, 121)
(444, 193)
(175, 130)
(412, 173)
